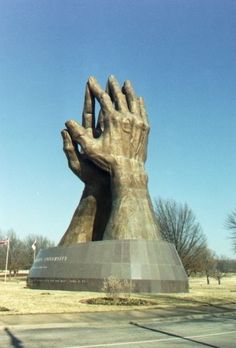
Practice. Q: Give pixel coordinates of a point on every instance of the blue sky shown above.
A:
(180, 56)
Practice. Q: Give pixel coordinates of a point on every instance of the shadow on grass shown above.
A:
(15, 342)
(170, 300)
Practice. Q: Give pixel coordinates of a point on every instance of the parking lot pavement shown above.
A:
(146, 329)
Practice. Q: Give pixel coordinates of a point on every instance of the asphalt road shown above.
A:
(146, 329)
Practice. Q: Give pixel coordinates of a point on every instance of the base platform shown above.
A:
(152, 266)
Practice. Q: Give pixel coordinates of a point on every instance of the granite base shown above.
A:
(152, 266)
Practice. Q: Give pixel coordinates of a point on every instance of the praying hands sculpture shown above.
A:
(109, 156)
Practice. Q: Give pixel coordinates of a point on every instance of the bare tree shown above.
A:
(227, 265)
(208, 264)
(20, 251)
(16, 250)
(220, 269)
(216, 267)
(178, 225)
(231, 225)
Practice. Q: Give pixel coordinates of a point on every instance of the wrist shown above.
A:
(127, 183)
(128, 175)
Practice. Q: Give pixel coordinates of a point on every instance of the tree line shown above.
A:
(178, 225)
(21, 253)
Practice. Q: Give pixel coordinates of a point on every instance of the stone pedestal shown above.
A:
(153, 266)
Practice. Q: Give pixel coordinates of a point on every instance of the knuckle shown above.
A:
(68, 148)
(104, 96)
(139, 124)
(143, 126)
(112, 118)
(88, 116)
(146, 127)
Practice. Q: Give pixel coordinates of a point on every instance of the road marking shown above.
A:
(152, 341)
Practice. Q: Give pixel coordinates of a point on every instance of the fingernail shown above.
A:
(70, 123)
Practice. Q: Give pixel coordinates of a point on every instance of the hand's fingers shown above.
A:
(143, 111)
(71, 152)
(117, 95)
(107, 90)
(130, 97)
(88, 119)
(100, 124)
(68, 145)
(102, 97)
(79, 134)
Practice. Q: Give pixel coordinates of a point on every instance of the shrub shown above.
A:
(113, 287)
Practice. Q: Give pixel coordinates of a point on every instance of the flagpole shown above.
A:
(34, 248)
(34, 252)
(8, 246)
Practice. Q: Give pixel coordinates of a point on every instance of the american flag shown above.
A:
(4, 241)
(34, 245)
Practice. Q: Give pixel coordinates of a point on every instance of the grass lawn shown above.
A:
(15, 298)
